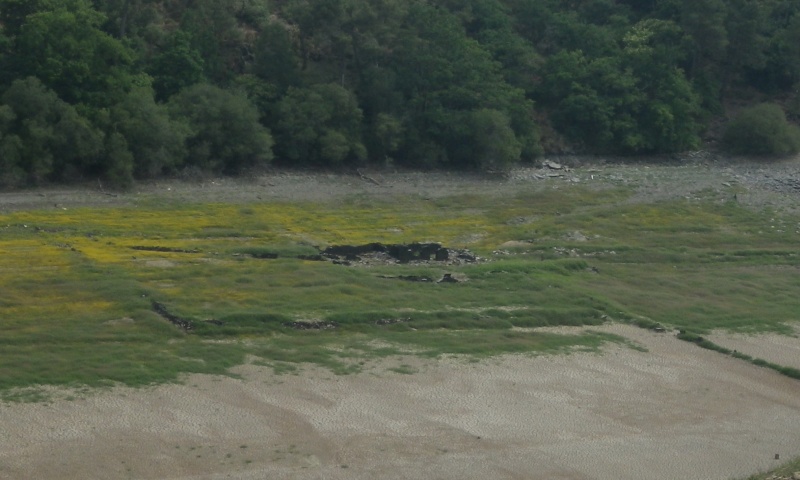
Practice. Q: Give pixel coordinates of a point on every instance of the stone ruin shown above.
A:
(379, 253)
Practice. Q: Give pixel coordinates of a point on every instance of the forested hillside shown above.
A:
(135, 89)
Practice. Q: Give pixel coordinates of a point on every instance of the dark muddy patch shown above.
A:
(446, 278)
(180, 322)
(409, 278)
(265, 255)
(379, 253)
(312, 258)
(162, 249)
(318, 325)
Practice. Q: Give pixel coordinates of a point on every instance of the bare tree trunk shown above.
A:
(123, 21)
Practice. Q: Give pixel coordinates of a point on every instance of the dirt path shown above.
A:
(675, 411)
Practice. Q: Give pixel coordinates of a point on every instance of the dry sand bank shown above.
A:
(781, 349)
(675, 411)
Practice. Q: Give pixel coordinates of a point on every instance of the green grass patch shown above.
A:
(78, 285)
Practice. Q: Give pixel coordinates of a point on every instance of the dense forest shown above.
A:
(136, 89)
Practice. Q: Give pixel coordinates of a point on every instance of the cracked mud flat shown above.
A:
(675, 411)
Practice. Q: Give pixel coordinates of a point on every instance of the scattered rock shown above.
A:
(448, 278)
(416, 252)
(183, 323)
(380, 254)
(576, 236)
(315, 325)
(552, 165)
(464, 255)
(392, 321)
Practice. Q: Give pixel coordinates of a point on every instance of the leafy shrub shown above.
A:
(762, 130)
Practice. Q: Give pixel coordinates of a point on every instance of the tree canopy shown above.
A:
(127, 89)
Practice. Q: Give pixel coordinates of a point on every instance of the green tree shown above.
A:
(177, 66)
(387, 136)
(118, 161)
(63, 45)
(491, 24)
(11, 149)
(636, 101)
(225, 133)
(131, 19)
(668, 113)
(45, 137)
(275, 61)
(222, 32)
(593, 101)
(704, 22)
(745, 27)
(443, 76)
(155, 142)
(787, 46)
(781, 69)
(318, 26)
(319, 125)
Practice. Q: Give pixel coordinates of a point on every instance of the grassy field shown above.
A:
(78, 286)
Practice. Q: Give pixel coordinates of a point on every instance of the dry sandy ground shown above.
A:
(673, 412)
(781, 349)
